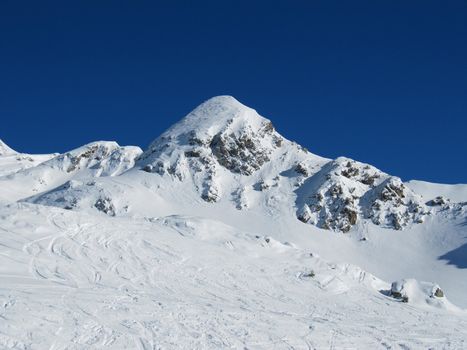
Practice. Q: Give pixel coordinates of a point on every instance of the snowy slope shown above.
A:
(92, 160)
(5, 150)
(77, 281)
(224, 234)
(455, 193)
(12, 161)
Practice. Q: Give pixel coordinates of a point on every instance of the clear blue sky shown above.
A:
(384, 82)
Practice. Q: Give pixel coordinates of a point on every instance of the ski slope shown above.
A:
(71, 280)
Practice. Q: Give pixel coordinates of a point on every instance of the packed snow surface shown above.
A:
(224, 234)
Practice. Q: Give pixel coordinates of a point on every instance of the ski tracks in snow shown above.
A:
(108, 283)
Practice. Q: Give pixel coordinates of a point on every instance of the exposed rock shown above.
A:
(397, 291)
(438, 201)
(211, 192)
(345, 190)
(393, 205)
(369, 180)
(262, 185)
(105, 205)
(102, 158)
(219, 134)
(149, 168)
(350, 171)
(439, 293)
(87, 154)
(309, 274)
(302, 169)
(418, 292)
(304, 215)
(192, 154)
(239, 154)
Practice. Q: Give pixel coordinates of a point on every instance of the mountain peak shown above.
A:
(216, 115)
(220, 131)
(223, 99)
(5, 150)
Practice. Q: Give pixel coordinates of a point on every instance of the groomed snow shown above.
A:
(78, 281)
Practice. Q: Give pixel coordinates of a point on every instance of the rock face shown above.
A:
(243, 153)
(437, 202)
(393, 205)
(221, 134)
(344, 192)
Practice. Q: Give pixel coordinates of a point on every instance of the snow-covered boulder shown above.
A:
(420, 293)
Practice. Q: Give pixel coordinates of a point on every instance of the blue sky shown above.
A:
(384, 82)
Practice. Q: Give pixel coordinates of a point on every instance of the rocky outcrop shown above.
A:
(391, 204)
(438, 202)
(104, 158)
(333, 208)
(105, 205)
(244, 152)
(345, 192)
(219, 135)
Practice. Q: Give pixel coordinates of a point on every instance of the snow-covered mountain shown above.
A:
(12, 161)
(210, 239)
(227, 152)
(92, 160)
(5, 150)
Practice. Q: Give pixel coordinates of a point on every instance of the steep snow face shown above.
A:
(92, 160)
